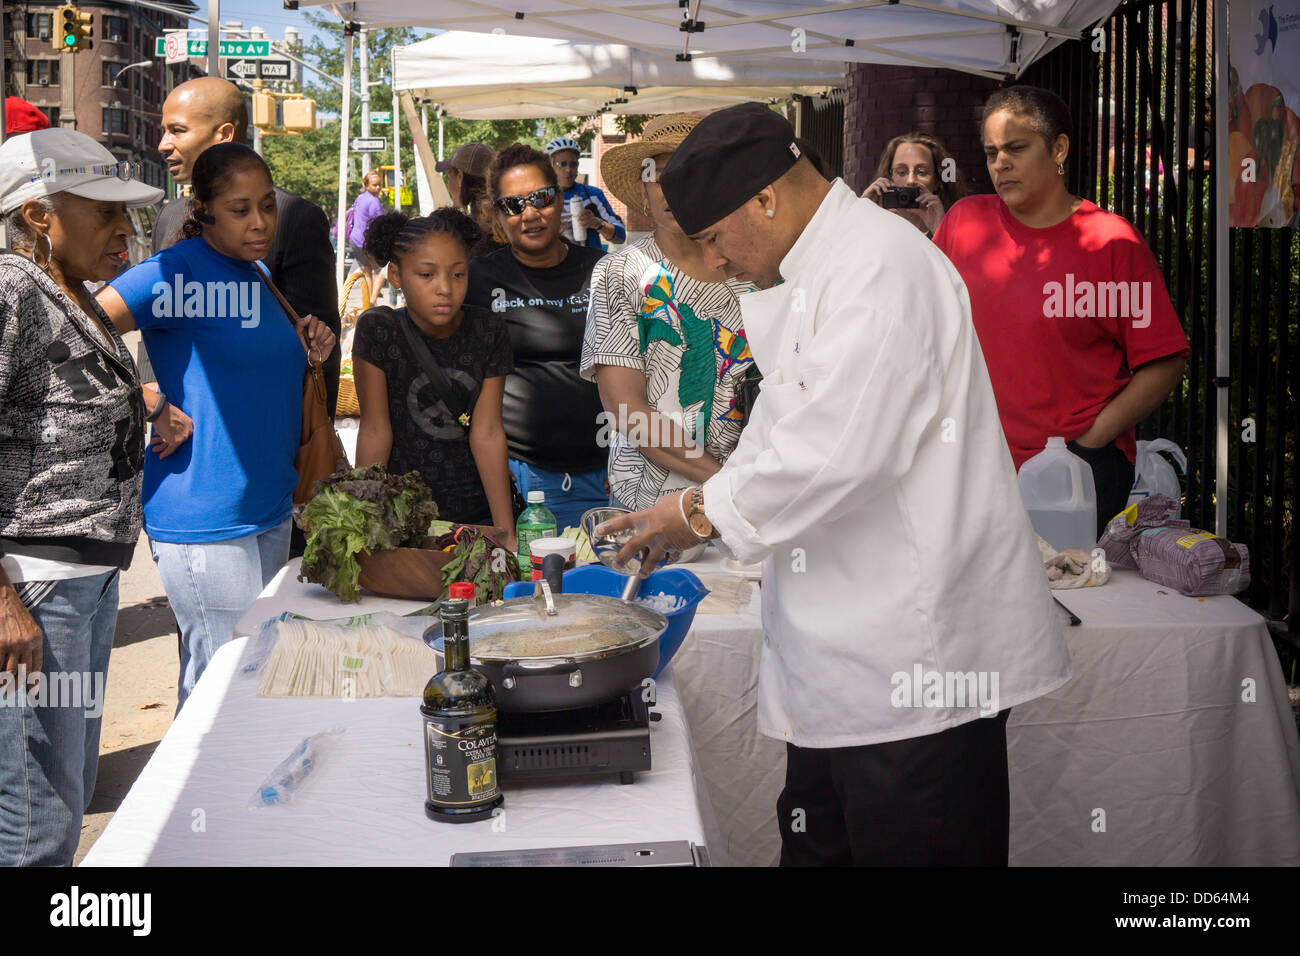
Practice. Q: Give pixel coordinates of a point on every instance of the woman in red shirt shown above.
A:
(1070, 306)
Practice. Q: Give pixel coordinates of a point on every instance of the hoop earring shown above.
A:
(1060, 169)
(49, 256)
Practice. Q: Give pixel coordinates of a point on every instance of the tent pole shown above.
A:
(344, 130)
(397, 133)
(1222, 323)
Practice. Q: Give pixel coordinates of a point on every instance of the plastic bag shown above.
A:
(1154, 475)
(287, 778)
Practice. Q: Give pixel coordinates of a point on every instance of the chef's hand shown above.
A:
(172, 429)
(320, 339)
(20, 636)
(589, 219)
(660, 529)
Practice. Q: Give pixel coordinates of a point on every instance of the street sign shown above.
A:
(362, 144)
(386, 117)
(228, 47)
(175, 47)
(246, 69)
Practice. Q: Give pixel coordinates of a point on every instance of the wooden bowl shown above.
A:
(413, 574)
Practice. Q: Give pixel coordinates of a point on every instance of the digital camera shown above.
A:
(900, 197)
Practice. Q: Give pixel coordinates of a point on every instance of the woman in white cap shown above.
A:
(72, 425)
(664, 341)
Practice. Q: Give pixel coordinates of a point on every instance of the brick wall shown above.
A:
(883, 101)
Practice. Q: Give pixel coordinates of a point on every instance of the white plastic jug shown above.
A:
(1060, 496)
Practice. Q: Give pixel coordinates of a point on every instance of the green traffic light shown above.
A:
(69, 40)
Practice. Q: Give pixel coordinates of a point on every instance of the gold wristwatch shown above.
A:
(697, 519)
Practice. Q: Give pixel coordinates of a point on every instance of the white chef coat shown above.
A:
(875, 483)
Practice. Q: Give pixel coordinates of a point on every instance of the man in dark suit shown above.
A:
(209, 110)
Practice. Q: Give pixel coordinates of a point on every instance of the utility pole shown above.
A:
(67, 90)
(365, 101)
(349, 29)
(214, 37)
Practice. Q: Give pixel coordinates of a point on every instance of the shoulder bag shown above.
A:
(320, 453)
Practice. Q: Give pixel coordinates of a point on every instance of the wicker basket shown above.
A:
(348, 403)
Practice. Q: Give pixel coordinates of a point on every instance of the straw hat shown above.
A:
(621, 166)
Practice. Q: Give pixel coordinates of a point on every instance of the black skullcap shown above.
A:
(724, 162)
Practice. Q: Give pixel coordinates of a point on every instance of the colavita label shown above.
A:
(461, 756)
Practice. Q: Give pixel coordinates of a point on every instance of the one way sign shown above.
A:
(272, 69)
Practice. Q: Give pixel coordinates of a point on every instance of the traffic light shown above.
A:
(64, 37)
(73, 29)
(85, 29)
(300, 114)
(263, 109)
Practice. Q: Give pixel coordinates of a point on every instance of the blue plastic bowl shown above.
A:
(598, 579)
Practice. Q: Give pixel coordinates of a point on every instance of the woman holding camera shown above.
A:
(916, 179)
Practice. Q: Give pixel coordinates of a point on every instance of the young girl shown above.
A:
(430, 376)
(217, 506)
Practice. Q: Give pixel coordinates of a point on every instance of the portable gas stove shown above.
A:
(609, 738)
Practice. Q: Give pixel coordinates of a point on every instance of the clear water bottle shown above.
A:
(535, 521)
(1060, 496)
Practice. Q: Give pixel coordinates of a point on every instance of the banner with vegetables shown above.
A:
(1263, 128)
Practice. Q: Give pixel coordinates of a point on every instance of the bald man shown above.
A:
(203, 112)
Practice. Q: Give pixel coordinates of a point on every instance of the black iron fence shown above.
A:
(1145, 150)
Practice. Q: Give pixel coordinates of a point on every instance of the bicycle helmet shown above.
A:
(562, 143)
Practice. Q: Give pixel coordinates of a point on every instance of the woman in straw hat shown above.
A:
(664, 340)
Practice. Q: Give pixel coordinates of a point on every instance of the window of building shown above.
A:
(114, 120)
(40, 26)
(116, 29)
(43, 72)
(51, 114)
(110, 71)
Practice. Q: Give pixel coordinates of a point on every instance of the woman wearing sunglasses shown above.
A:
(541, 285)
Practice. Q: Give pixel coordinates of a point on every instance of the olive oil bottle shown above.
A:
(460, 725)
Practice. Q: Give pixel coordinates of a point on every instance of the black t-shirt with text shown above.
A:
(551, 415)
(427, 437)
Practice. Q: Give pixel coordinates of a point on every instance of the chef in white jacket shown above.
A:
(905, 608)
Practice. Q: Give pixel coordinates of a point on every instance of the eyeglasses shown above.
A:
(538, 199)
(124, 171)
(566, 164)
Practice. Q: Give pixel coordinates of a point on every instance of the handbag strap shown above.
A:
(289, 313)
(437, 376)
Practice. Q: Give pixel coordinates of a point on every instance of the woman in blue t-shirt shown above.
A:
(218, 507)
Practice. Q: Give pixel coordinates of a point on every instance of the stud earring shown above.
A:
(770, 213)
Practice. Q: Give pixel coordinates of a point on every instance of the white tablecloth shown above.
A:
(1153, 731)
(364, 805)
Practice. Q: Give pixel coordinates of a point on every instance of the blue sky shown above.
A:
(267, 14)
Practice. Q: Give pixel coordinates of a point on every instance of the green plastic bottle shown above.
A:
(535, 521)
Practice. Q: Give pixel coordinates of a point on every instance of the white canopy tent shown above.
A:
(992, 38)
(490, 76)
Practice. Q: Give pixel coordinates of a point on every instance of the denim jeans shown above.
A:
(568, 495)
(210, 585)
(49, 745)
